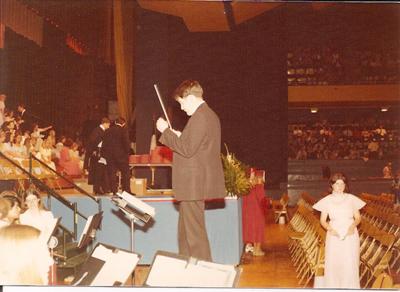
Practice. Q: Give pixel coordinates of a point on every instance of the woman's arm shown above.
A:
(325, 224)
(44, 129)
(357, 220)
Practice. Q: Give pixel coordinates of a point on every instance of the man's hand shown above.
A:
(161, 124)
(178, 133)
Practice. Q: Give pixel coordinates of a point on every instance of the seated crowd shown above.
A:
(19, 139)
(326, 141)
(323, 66)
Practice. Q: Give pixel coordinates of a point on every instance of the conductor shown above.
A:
(197, 172)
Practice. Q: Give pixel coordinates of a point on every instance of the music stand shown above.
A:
(51, 241)
(175, 270)
(106, 266)
(134, 209)
(89, 232)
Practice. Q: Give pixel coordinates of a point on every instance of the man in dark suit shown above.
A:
(94, 159)
(116, 147)
(197, 172)
(25, 119)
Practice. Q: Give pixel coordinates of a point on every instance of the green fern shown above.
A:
(237, 181)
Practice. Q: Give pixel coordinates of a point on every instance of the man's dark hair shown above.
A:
(188, 87)
(105, 120)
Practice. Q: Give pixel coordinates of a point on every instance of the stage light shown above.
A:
(384, 109)
(314, 110)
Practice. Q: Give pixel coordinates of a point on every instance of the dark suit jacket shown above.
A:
(95, 138)
(116, 144)
(197, 172)
(28, 121)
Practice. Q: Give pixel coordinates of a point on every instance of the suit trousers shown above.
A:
(192, 234)
(100, 178)
(123, 166)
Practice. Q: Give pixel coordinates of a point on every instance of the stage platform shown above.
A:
(223, 221)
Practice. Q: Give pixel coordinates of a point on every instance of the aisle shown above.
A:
(275, 269)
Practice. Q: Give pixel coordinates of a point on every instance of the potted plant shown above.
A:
(237, 180)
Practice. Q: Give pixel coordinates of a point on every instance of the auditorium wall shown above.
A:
(243, 73)
(57, 85)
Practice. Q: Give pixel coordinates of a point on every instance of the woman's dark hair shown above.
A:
(335, 177)
(68, 142)
(14, 200)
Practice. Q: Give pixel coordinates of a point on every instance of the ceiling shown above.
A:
(89, 20)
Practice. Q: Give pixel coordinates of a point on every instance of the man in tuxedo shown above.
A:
(25, 119)
(116, 146)
(197, 172)
(94, 159)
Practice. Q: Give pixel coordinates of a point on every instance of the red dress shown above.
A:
(253, 214)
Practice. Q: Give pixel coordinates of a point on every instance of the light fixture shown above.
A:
(314, 110)
(384, 109)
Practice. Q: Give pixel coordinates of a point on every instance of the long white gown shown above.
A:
(342, 254)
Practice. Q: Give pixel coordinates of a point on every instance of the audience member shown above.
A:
(5, 207)
(396, 187)
(35, 214)
(387, 171)
(2, 108)
(69, 164)
(25, 258)
(12, 216)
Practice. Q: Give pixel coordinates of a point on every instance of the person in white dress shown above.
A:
(342, 246)
(36, 215)
(2, 108)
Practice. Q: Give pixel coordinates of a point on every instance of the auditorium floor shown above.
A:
(274, 270)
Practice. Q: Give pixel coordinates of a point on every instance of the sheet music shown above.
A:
(117, 268)
(85, 230)
(172, 272)
(138, 204)
(46, 233)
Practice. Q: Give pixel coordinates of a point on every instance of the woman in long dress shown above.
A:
(342, 246)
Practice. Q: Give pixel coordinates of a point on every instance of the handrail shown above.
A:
(42, 185)
(97, 200)
(65, 178)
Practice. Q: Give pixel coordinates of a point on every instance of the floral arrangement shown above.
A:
(237, 181)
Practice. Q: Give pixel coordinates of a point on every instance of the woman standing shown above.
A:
(342, 246)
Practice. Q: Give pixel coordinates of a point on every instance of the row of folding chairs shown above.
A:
(306, 244)
(308, 200)
(381, 201)
(387, 222)
(376, 251)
